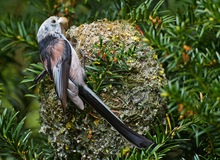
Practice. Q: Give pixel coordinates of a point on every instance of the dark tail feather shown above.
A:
(40, 76)
(90, 97)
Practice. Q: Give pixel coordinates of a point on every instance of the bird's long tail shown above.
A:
(91, 98)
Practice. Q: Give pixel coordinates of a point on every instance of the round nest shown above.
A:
(135, 98)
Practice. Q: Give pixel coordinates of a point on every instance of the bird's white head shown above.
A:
(51, 26)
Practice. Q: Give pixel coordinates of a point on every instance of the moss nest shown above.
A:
(137, 101)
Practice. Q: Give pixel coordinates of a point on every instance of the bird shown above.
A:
(63, 65)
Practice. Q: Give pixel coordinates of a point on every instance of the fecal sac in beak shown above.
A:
(63, 20)
(64, 24)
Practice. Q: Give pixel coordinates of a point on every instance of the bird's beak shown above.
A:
(64, 23)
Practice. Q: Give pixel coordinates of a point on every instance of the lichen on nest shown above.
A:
(136, 100)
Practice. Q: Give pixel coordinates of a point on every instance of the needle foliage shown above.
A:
(186, 37)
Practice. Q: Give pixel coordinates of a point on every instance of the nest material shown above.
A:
(86, 135)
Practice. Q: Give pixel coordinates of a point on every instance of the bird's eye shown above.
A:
(53, 21)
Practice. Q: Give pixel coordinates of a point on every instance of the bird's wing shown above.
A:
(61, 69)
(56, 58)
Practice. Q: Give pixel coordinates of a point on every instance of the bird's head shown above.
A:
(52, 26)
